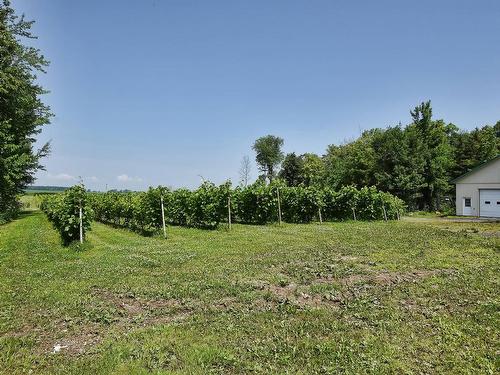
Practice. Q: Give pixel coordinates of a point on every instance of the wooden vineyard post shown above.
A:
(354, 213)
(385, 213)
(163, 218)
(81, 223)
(279, 205)
(229, 211)
(320, 217)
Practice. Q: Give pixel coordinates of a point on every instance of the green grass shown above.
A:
(30, 202)
(397, 297)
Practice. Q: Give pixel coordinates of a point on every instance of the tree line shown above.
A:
(416, 162)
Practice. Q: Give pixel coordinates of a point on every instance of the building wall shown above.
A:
(487, 177)
(489, 174)
(465, 190)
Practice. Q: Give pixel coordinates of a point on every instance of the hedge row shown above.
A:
(207, 206)
(63, 210)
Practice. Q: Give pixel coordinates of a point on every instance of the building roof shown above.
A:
(476, 168)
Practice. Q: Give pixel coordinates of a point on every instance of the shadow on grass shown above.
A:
(142, 232)
(27, 213)
(21, 215)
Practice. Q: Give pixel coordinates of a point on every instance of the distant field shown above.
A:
(45, 189)
(352, 297)
(33, 192)
(32, 198)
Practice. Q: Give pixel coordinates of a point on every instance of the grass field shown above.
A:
(397, 297)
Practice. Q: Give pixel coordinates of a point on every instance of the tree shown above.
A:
(472, 148)
(433, 150)
(268, 154)
(396, 169)
(291, 170)
(22, 113)
(313, 169)
(351, 163)
(245, 170)
(496, 128)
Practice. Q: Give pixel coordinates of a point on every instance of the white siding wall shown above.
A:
(487, 177)
(471, 190)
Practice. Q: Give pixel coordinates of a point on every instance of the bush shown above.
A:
(63, 210)
(299, 205)
(366, 203)
(256, 204)
(207, 206)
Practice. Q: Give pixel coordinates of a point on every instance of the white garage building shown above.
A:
(478, 191)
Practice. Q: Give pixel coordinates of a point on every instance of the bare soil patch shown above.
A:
(77, 337)
(351, 286)
(298, 295)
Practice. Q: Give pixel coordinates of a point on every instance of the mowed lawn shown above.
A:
(354, 297)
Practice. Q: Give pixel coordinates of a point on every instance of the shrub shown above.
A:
(207, 206)
(63, 210)
(256, 204)
(299, 204)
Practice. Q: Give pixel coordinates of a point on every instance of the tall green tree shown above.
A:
(313, 169)
(432, 150)
(268, 155)
(472, 148)
(22, 112)
(291, 170)
(496, 128)
(351, 163)
(396, 170)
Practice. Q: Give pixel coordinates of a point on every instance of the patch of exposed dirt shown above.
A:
(297, 295)
(352, 286)
(139, 311)
(348, 258)
(390, 278)
(71, 339)
(385, 277)
(75, 338)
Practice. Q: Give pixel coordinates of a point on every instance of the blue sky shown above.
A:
(159, 92)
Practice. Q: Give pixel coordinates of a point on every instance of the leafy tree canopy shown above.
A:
(22, 113)
(268, 154)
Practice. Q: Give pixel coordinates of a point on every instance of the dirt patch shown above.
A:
(123, 313)
(129, 312)
(390, 278)
(385, 277)
(283, 292)
(297, 295)
(72, 340)
(139, 311)
(352, 286)
(348, 258)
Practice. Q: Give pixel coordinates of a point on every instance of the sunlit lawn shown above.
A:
(397, 297)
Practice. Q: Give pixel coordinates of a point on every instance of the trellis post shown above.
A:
(279, 205)
(229, 210)
(81, 222)
(163, 218)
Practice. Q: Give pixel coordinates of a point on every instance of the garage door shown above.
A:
(489, 203)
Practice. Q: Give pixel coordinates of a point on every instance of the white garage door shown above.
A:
(489, 203)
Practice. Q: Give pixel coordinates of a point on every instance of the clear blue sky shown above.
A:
(158, 92)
